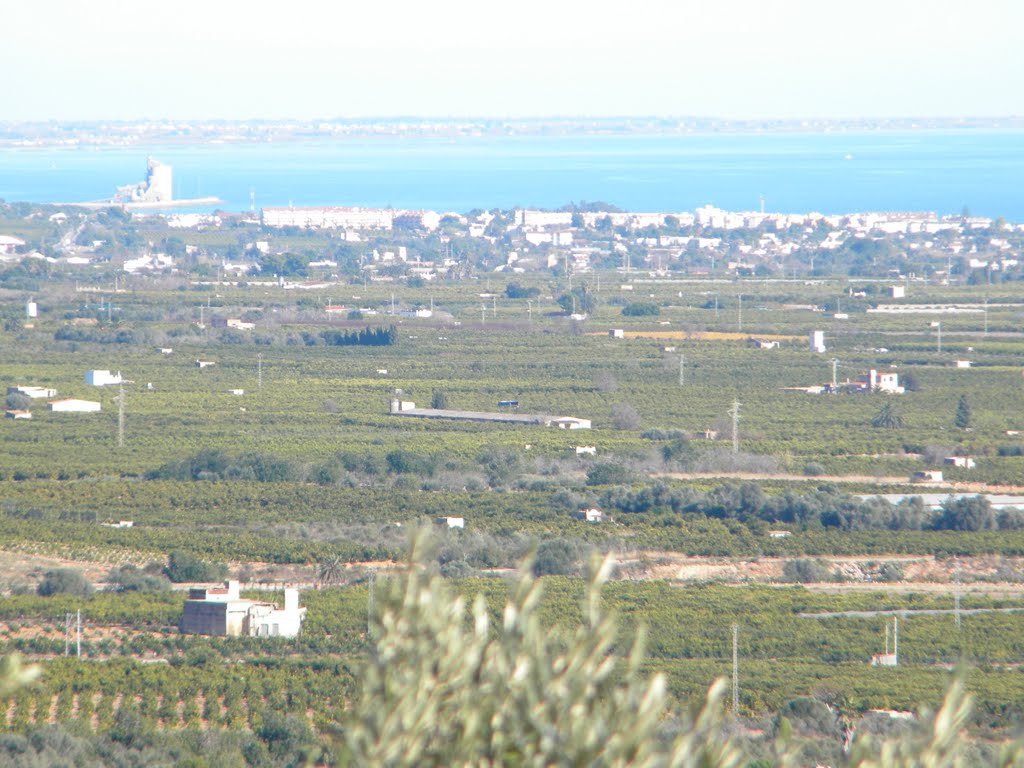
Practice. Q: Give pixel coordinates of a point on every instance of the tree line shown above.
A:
(824, 507)
(365, 337)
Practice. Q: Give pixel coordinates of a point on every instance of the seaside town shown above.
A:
(302, 244)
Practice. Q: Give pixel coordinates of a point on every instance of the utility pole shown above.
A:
(956, 591)
(483, 313)
(835, 369)
(735, 413)
(529, 309)
(739, 315)
(896, 639)
(120, 416)
(259, 370)
(371, 599)
(682, 369)
(735, 669)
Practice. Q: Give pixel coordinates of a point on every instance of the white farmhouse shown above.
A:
(570, 422)
(887, 382)
(98, 378)
(34, 392)
(221, 611)
(964, 462)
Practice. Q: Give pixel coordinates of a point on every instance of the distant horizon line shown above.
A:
(552, 118)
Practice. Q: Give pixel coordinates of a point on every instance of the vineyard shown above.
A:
(282, 455)
(133, 657)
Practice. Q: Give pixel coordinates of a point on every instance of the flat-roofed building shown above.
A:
(222, 611)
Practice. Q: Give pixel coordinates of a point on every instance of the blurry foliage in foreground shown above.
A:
(445, 688)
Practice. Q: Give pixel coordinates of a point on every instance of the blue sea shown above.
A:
(838, 172)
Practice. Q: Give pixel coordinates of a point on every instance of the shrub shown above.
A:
(639, 309)
(64, 581)
(625, 416)
(610, 474)
(967, 513)
(890, 572)
(17, 401)
(439, 399)
(556, 558)
(184, 566)
(805, 571)
(128, 578)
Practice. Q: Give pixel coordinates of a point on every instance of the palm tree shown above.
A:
(331, 568)
(887, 418)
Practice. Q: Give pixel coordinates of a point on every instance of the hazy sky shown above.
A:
(121, 59)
